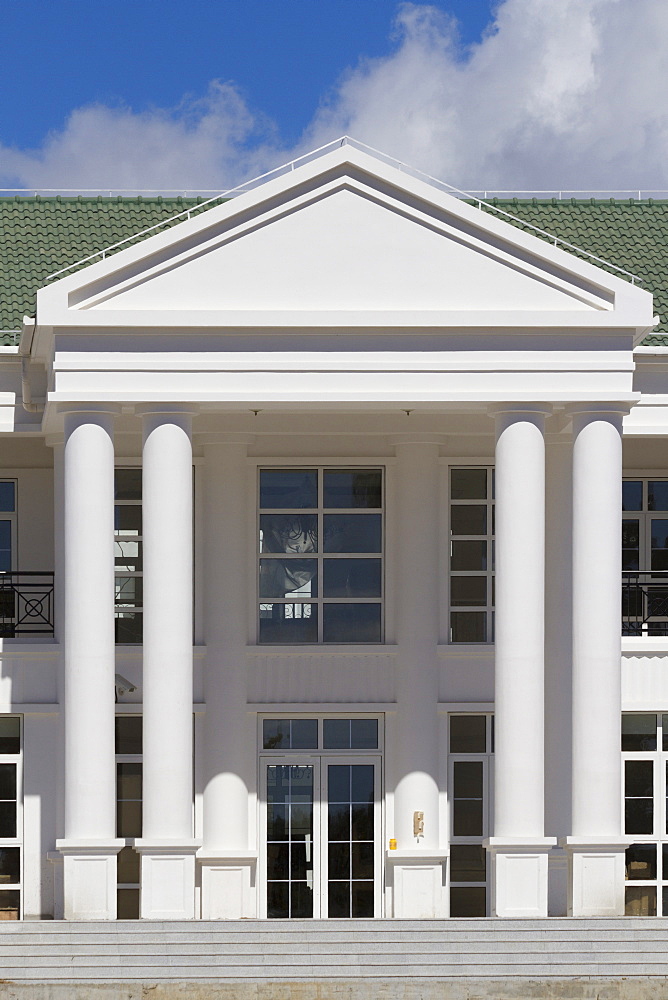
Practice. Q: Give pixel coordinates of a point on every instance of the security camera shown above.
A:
(123, 686)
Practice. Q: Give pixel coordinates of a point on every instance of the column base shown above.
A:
(418, 883)
(228, 884)
(167, 879)
(89, 878)
(596, 875)
(519, 875)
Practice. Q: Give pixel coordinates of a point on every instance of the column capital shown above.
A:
(166, 409)
(521, 409)
(100, 409)
(599, 409)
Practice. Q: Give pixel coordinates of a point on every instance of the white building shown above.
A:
(349, 453)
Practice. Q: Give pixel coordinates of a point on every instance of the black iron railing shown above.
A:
(26, 604)
(645, 603)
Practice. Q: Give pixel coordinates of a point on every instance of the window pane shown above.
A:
(468, 591)
(468, 779)
(639, 775)
(128, 591)
(338, 902)
(7, 497)
(292, 533)
(128, 556)
(468, 519)
(630, 534)
(276, 734)
(467, 863)
(468, 901)
(336, 734)
(127, 904)
(285, 577)
(639, 816)
(288, 623)
(10, 904)
(468, 484)
(127, 519)
(632, 496)
(5, 546)
(351, 623)
(352, 533)
(128, 819)
(640, 901)
(664, 726)
(468, 734)
(304, 734)
(278, 896)
(467, 818)
(128, 627)
(288, 489)
(362, 860)
(638, 732)
(7, 819)
(128, 865)
(10, 734)
(362, 899)
(10, 864)
(641, 861)
(352, 488)
(468, 626)
(352, 578)
(7, 781)
(127, 484)
(129, 781)
(657, 495)
(363, 734)
(468, 555)
(128, 734)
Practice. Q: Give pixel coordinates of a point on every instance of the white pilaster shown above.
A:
(596, 847)
(227, 863)
(167, 846)
(89, 847)
(418, 862)
(519, 847)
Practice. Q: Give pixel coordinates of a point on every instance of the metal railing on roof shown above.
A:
(345, 140)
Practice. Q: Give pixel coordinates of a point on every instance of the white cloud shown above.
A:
(559, 93)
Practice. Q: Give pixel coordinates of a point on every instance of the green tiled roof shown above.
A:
(41, 235)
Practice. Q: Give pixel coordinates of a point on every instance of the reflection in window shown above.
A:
(320, 555)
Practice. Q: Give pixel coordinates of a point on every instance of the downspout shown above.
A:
(25, 347)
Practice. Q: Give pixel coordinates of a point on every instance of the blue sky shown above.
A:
(507, 95)
(284, 55)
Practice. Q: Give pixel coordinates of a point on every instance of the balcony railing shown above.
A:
(645, 603)
(26, 604)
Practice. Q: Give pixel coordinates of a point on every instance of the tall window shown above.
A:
(128, 811)
(128, 564)
(471, 555)
(470, 766)
(645, 760)
(11, 825)
(320, 566)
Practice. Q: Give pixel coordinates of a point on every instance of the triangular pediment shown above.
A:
(345, 239)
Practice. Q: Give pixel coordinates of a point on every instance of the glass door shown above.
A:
(321, 837)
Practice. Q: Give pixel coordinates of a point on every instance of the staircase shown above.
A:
(564, 958)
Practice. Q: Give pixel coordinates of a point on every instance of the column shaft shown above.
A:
(520, 585)
(90, 789)
(168, 626)
(597, 576)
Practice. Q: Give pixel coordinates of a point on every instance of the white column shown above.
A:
(418, 862)
(227, 862)
(167, 846)
(518, 847)
(596, 846)
(89, 846)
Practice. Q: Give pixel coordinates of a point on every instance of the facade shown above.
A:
(312, 597)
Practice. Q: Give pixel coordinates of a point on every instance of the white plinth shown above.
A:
(596, 877)
(89, 879)
(167, 880)
(520, 876)
(418, 879)
(228, 885)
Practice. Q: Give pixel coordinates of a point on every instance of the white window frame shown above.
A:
(320, 601)
(489, 572)
(659, 835)
(18, 840)
(487, 760)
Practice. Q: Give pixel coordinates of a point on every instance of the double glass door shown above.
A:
(321, 837)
